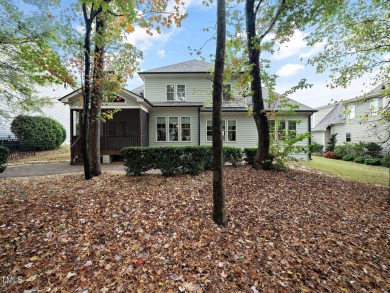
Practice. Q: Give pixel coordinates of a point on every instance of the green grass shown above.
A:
(58, 155)
(351, 171)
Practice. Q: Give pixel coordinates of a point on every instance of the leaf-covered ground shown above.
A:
(293, 231)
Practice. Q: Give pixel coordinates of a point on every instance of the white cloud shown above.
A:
(161, 53)
(289, 69)
(317, 47)
(292, 47)
(386, 57)
(145, 42)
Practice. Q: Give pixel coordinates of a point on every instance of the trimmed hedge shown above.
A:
(347, 158)
(373, 161)
(47, 133)
(359, 160)
(175, 160)
(250, 154)
(4, 152)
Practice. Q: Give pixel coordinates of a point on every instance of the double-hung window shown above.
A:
(348, 137)
(176, 92)
(280, 128)
(374, 106)
(227, 93)
(229, 130)
(350, 111)
(177, 129)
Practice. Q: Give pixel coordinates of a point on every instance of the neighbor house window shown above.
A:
(374, 106)
(347, 137)
(177, 92)
(170, 92)
(230, 125)
(292, 127)
(173, 129)
(271, 129)
(279, 129)
(350, 111)
(227, 93)
(181, 92)
(161, 129)
(185, 124)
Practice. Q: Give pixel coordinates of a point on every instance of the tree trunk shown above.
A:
(87, 93)
(219, 210)
(96, 98)
(262, 159)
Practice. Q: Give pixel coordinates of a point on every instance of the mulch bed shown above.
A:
(287, 231)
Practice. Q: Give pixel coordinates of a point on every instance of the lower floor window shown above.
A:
(229, 130)
(348, 137)
(178, 129)
(278, 129)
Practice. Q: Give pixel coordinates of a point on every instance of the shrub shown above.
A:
(359, 160)
(316, 148)
(347, 158)
(232, 155)
(4, 152)
(343, 150)
(47, 133)
(331, 143)
(386, 161)
(373, 161)
(329, 155)
(170, 160)
(373, 149)
(250, 154)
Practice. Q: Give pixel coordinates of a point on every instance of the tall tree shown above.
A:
(106, 68)
(219, 210)
(27, 56)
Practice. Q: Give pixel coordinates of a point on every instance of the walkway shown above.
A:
(44, 169)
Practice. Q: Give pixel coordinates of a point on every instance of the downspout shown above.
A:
(310, 135)
(198, 126)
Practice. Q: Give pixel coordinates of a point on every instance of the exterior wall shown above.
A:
(198, 89)
(318, 137)
(5, 129)
(246, 131)
(173, 112)
(322, 112)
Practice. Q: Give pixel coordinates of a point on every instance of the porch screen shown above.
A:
(161, 129)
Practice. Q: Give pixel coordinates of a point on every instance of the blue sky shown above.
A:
(172, 47)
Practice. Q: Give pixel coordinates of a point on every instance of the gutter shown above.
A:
(198, 126)
(309, 117)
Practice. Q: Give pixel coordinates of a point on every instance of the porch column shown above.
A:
(140, 127)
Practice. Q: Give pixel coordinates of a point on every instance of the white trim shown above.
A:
(226, 130)
(175, 99)
(113, 107)
(165, 128)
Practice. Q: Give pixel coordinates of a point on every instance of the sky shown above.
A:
(289, 62)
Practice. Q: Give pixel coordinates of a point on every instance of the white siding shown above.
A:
(198, 89)
(173, 112)
(322, 112)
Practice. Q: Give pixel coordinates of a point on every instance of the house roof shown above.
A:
(192, 66)
(335, 116)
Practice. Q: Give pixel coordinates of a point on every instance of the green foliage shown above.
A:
(373, 149)
(250, 154)
(4, 152)
(331, 143)
(316, 148)
(232, 155)
(347, 158)
(373, 161)
(386, 161)
(175, 160)
(329, 155)
(359, 160)
(343, 150)
(47, 133)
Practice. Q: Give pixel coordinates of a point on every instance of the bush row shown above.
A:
(47, 133)
(175, 160)
(361, 160)
(4, 152)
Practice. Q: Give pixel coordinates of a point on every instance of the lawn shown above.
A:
(288, 232)
(351, 171)
(58, 155)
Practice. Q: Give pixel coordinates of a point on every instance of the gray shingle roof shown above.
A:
(192, 66)
(335, 116)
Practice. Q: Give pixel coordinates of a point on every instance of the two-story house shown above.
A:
(353, 120)
(173, 108)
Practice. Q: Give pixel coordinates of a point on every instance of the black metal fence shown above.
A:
(18, 148)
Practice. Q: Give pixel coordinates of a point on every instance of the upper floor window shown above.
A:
(230, 125)
(350, 111)
(176, 92)
(227, 93)
(374, 106)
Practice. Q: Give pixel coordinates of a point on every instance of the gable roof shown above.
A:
(192, 66)
(335, 116)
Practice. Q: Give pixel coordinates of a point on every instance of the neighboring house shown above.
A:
(173, 108)
(353, 120)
